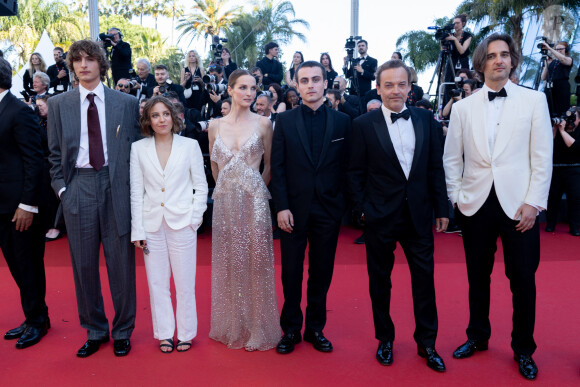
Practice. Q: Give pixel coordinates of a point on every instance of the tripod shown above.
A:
(444, 71)
(538, 78)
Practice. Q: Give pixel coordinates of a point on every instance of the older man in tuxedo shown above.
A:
(498, 165)
(396, 180)
(90, 132)
(21, 233)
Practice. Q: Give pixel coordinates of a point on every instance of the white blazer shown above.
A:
(520, 167)
(158, 194)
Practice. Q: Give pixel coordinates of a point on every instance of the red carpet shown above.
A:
(53, 361)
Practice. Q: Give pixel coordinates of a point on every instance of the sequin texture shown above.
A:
(244, 311)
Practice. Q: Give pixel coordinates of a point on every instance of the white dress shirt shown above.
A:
(83, 156)
(25, 207)
(493, 111)
(402, 136)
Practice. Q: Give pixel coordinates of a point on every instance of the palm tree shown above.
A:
(242, 38)
(208, 17)
(277, 22)
(420, 47)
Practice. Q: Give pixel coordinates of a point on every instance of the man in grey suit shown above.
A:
(90, 132)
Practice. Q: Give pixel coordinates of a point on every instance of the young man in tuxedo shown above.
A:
(21, 232)
(498, 165)
(309, 156)
(396, 181)
(90, 132)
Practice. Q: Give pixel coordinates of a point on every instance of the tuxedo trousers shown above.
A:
(24, 254)
(321, 234)
(564, 179)
(380, 242)
(521, 257)
(172, 252)
(90, 221)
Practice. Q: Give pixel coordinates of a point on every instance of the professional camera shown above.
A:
(217, 48)
(459, 90)
(336, 84)
(202, 125)
(106, 39)
(162, 89)
(569, 117)
(544, 50)
(25, 95)
(442, 32)
(210, 84)
(350, 45)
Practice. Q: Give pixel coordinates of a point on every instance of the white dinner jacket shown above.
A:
(158, 193)
(520, 167)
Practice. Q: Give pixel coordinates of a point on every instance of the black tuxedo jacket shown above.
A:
(21, 157)
(296, 181)
(121, 61)
(377, 182)
(364, 80)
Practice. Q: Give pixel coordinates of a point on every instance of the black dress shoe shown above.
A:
(527, 366)
(385, 353)
(317, 339)
(434, 361)
(91, 346)
(550, 227)
(574, 231)
(15, 333)
(286, 344)
(469, 347)
(32, 335)
(360, 240)
(122, 347)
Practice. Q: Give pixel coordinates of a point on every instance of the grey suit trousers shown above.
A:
(90, 220)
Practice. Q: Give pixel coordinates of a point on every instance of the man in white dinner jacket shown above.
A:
(498, 163)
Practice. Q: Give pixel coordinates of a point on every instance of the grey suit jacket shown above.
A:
(64, 132)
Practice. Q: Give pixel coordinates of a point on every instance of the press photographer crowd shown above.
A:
(478, 160)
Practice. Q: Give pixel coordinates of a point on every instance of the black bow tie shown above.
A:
(492, 95)
(404, 114)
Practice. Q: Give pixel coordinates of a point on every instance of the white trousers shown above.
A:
(172, 251)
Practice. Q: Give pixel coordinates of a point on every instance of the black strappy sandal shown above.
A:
(183, 344)
(169, 344)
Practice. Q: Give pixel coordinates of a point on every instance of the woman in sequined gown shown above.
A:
(244, 311)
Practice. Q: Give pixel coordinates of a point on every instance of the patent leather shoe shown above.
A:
(91, 346)
(122, 347)
(287, 343)
(527, 366)
(469, 347)
(574, 231)
(32, 335)
(434, 361)
(318, 340)
(15, 333)
(385, 353)
(550, 228)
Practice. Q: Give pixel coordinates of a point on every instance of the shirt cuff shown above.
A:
(61, 191)
(25, 207)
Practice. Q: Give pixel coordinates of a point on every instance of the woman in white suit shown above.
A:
(168, 199)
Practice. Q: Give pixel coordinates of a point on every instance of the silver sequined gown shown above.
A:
(244, 311)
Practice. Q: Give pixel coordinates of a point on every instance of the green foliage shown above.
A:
(420, 47)
(207, 18)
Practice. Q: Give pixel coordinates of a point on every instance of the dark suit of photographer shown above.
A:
(143, 81)
(165, 85)
(565, 175)
(120, 55)
(348, 104)
(363, 70)
(58, 72)
(557, 75)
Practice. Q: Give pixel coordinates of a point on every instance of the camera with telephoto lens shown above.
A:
(459, 90)
(543, 49)
(210, 84)
(350, 45)
(266, 92)
(569, 117)
(202, 125)
(336, 84)
(106, 39)
(217, 48)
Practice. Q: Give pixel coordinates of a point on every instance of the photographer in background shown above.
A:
(258, 76)
(465, 90)
(271, 68)
(349, 104)
(58, 72)
(124, 86)
(40, 85)
(165, 85)
(566, 172)
(557, 75)
(144, 82)
(227, 63)
(364, 69)
(460, 42)
(120, 54)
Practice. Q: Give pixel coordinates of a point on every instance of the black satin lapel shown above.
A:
(302, 133)
(419, 127)
(328, 132)
(382, 132)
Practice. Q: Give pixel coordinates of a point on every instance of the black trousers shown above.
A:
(24, 254)
(564, 179)
(521, 257)
(321, 234)
(380, 246)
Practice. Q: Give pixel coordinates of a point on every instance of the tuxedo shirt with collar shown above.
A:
(83, 157)
(402, 136)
